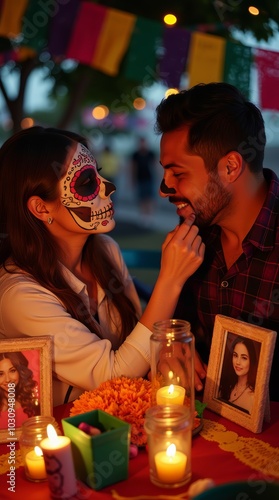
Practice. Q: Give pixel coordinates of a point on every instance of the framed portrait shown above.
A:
(237, 382)
(25, 382)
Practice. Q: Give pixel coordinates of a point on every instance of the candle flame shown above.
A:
(52, 434)
(171, 450)
(38, 451)
(171, 389)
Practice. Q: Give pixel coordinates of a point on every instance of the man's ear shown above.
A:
(230, 167)
(38, 208)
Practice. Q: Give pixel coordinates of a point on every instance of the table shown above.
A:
(223, 451)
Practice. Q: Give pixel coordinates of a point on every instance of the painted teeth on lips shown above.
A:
(102, 214)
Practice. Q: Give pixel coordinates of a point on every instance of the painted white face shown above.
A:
(86, 194)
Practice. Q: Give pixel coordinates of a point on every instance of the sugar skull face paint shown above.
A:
(86, 194)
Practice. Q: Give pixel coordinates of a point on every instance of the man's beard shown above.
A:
(207, 207)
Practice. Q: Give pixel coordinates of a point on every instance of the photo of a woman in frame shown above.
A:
(18, 389)
(238, 378)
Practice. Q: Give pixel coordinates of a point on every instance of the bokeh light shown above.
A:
(170, 19)
(100, 112)
(171, 91)
(139, 103)
(27, 122)
(7, 124)
(253, 10)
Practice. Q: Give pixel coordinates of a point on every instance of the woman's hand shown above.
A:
(182, 252)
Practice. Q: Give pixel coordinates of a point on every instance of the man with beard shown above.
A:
(212, 151)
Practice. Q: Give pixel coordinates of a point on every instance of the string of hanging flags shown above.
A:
(114, 41)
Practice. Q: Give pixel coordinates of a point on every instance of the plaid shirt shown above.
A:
(248, 291)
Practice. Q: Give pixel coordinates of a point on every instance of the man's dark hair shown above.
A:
(220, 120)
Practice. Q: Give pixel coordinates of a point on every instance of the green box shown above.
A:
(103, 459)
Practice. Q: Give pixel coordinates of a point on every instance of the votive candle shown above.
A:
(169, 438)
(35, 465)
(169, 395)
(170, 465)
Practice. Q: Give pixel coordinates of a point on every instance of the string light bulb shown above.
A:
(170, 19)
(253, 10)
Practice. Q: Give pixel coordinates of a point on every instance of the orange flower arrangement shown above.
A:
(125, 398)
(122, 397)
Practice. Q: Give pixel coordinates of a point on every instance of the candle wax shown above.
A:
(35, 465)
(165, 397)
(170, 470)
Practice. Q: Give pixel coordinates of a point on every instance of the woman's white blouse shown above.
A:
(80, 357)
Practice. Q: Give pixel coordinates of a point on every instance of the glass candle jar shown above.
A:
(172, 364)
(169, 438)
(34, 429)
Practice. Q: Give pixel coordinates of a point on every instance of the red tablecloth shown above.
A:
(209, 459)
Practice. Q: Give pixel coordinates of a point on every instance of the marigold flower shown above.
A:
(122, 397)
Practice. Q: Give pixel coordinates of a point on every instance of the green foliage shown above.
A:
(199, 407)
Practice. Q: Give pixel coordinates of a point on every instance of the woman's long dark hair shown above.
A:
(31, 164)
(229, 378)
(25, 389)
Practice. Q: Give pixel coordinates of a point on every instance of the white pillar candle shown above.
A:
(170, 465)
(35, 464)
(59, 464)
(169, 395)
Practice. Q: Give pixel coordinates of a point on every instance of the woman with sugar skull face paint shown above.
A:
(61, 275)
(86, 194)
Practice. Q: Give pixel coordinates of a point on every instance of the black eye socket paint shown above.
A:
(165, 189)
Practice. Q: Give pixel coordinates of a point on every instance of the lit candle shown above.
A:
(170, 395)
(59, 464)
(170, 465)
(35, 464)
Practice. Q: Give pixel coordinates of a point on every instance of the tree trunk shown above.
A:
(75, 99)
(16, 106)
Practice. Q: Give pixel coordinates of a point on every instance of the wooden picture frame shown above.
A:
(27, 363)
(225, 392)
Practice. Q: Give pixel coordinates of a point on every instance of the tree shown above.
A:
(86, 85)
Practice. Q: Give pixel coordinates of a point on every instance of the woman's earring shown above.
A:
(49, 220)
